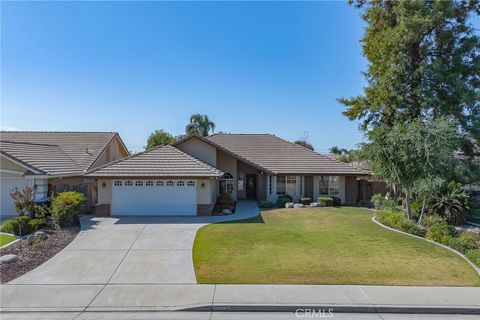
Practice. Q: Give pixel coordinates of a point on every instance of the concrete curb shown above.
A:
(477, 269)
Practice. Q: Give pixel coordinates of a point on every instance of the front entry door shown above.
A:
(251, 189)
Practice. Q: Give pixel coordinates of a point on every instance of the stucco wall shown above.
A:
(104, 192)
(200, 150)
(351, 191)
(205, 190)
(9, 165)
(112, 152)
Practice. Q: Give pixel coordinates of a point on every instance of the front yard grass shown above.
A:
(5, 238)
(322, 246)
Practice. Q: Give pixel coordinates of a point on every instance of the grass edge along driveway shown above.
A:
(322, 246)
(5, 239)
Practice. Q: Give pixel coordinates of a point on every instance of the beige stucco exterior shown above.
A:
(200, 150)
(114, 151)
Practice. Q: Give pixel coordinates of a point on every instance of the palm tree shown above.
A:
(335, 150)
(200, 124)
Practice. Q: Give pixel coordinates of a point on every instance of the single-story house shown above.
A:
(185, 178)
(53, 162)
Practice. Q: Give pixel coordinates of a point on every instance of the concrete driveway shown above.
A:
(129, 250)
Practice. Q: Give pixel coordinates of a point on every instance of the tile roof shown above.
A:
(280, 156)
(162, 161)
(81, 147)
(41, 158)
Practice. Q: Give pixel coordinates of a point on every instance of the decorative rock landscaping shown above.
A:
(298, 205)
(30, 252)
(289, 205)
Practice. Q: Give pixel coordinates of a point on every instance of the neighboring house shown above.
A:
(186, 178)
(52, 162)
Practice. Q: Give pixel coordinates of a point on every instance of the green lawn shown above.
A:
(322, 246)
(4, 239)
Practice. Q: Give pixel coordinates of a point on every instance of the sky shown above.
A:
(252, 67)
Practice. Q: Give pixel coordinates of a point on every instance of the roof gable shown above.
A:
(162, 161)
(83, 148)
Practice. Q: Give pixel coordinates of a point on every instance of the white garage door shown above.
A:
(154, 198)
(8, 184)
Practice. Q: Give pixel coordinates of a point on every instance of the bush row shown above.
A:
(437, 229)
(63, 209)
(283, 199)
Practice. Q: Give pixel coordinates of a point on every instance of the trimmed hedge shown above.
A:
(337, 201)
(325, 201)
(282, 199)
(305, 201)
(266, 204)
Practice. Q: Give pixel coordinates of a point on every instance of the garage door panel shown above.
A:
(154, 200)
(8, 184)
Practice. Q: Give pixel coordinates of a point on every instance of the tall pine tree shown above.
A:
(423, 62)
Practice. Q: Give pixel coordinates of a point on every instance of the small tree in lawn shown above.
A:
(24, 202)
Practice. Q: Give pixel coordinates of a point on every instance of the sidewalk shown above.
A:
(247, 298)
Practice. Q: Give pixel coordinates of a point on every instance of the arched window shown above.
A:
(191, 183)
(149, 183)
(226, 183)
(180, 183)
(118, 183)
(159, 183)
(138, 183)
(169, 183)
(128, 183)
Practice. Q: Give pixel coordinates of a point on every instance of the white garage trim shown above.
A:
(149, 197)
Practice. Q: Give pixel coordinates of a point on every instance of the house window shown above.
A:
(329, 185)
(180, 184)
(159, 183)
(138, 183)
(118, 183)
(128, 183)
(226, 184)
(169, 183)
(191, 183)
(149, 183)
(287, 184)
(270, 185)
(301, 185)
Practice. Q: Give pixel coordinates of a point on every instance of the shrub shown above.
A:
(398, 221)
(23, 200)
(469, 240)
(379, 202)
(286, 196)
(325, 201)
(281, 201)
(37, 223)
(453, 204)
(305, 201)
(432, 220)
(19, 226)
(474, 256)
(337, 201)
(225, 198)
(266, 204)
(64, 206)
(41, 211)
(440, 233)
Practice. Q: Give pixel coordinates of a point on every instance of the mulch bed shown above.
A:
(31, 256)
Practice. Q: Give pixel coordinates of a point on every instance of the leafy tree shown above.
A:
(200, 124)
(408, 154)
(423, 62)
(158, 138)
(304, 144)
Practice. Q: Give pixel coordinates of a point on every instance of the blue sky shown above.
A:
(135, 67)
